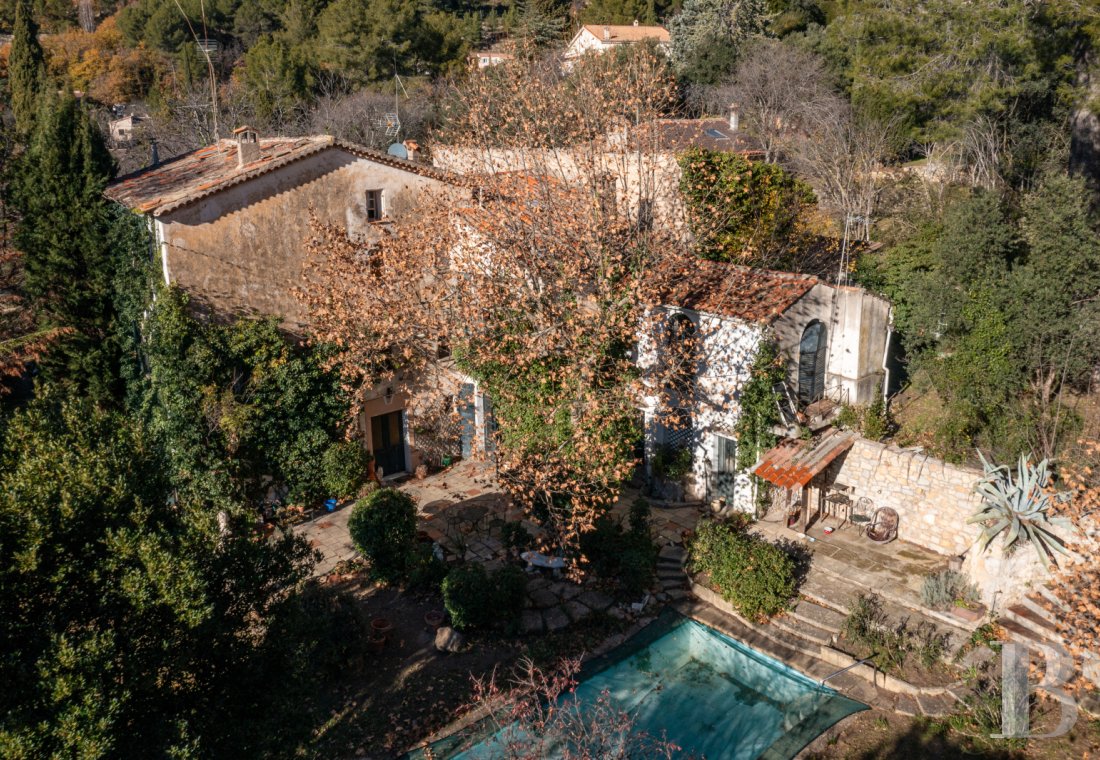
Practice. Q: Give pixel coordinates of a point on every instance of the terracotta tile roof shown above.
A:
(203, 172)
(793, 463)
(711, 134)
(628, 33)
(732, 290)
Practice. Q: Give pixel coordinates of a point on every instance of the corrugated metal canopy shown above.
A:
(793, 463)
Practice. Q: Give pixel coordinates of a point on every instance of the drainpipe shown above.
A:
(886, 353)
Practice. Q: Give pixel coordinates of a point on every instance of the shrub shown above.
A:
(876, 418)
(891, 642)
(755, 576)
(515, 536)
(670, 463)
(344, 468)
(942, 590)
(627, 556)
(426, 571)
(383, 529)
(473, 599)
(510, 592)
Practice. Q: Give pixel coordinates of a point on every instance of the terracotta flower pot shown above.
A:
(376, 642)
(434, 619)
(381, 627)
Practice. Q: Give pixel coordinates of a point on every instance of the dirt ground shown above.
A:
(878, 735)
(408, 691)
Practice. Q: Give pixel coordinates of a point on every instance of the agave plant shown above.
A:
(1019, 504)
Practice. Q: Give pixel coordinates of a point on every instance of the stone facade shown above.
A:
(240, 251)
(933, 499)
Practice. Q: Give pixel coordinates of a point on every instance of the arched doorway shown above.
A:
(811, 363)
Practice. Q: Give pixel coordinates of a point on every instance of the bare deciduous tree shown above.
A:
(536, 279)
(536, 714)
(843, 156)
(774, 86)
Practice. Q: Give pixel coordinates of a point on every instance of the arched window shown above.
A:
(681, 341)
(811, 363)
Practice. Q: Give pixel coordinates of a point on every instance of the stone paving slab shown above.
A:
(530, 622)
(555, 619)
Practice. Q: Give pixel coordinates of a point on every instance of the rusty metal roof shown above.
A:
(196, 175)
(793, 463)
(733, 290)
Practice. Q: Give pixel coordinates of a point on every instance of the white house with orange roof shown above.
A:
(710, 323)
(599, 38)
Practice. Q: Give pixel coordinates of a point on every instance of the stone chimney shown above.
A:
(735, 118)
(154, 158)
(413, 149)
(606, 34)
(248, 145)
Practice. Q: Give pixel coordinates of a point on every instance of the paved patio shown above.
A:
(461, 508)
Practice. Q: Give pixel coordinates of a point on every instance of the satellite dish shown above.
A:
(399, 150)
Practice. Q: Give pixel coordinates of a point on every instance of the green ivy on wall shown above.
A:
(759, 408)
(740, 210)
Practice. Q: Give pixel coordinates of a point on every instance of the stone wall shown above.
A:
(241, 251)
(933, 499)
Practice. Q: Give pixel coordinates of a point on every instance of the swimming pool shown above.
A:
(710, 695)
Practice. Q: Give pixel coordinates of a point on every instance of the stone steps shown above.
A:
(1030, 620)
(842, 594)
(838, 602)
(801, 628)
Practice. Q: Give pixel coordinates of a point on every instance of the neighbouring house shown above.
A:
(711, 323)
(642, 163)
(710, 133)
(229, 223)
(599, 38)
(483, 59)
(122, 129)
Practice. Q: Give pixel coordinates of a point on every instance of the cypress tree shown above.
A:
(26, 68)
(64, 234)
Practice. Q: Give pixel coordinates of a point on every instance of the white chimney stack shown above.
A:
(635, 22)
(735, 120)
(606, 34)
(248, 145)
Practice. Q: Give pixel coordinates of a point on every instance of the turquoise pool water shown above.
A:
(710, 695)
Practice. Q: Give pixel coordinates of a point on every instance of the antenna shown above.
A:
(203, 48)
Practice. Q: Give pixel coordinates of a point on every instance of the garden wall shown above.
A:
(932, 498)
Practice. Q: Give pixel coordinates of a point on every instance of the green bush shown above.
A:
(755, 576)
(510, 592)
(625, 555)
(426, 571)
(515, 536)
(344, 468)
(670, 463)
(383, 529)
(474, 599)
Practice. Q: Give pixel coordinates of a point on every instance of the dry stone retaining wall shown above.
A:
(932, 498)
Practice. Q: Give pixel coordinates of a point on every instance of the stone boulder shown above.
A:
(447, 639)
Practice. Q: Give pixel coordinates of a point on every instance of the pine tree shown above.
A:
(26, 68)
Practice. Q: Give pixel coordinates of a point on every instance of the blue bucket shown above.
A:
(330, 505)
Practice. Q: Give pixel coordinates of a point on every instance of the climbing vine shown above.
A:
(759, 410)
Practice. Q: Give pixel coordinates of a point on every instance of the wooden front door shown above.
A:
(388, 442)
